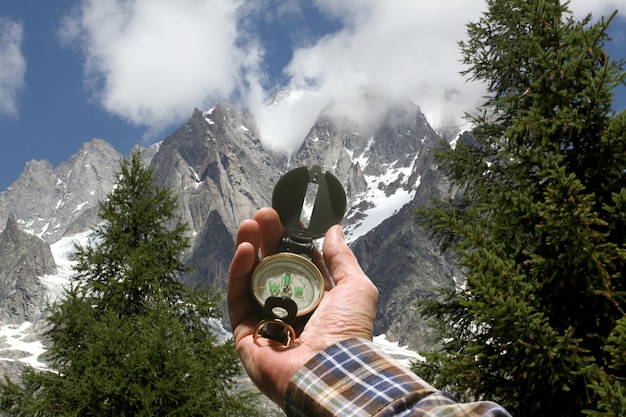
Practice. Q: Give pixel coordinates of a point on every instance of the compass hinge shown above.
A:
(298, 247)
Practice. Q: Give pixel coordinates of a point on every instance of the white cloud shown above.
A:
(152, 61)
(12, 65)
(395, 49)
(597, 8)
(284, 123)
(392, 49)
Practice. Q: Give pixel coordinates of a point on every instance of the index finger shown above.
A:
(241, 266)
(238, 288)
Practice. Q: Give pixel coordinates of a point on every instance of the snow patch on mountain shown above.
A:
(401, 354)
(375, 206)
(207, 115)
(62, 251)
(18, 342)
(17, 345)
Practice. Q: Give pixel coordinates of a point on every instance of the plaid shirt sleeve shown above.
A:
(354, 378)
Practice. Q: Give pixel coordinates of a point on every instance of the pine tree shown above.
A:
(611, 386)
(129, 339)
(538, 222)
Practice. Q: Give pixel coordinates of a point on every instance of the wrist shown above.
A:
(283, 370)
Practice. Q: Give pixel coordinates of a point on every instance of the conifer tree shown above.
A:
(538, 221)
(129, 339)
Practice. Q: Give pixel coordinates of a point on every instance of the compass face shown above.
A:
(289, 275)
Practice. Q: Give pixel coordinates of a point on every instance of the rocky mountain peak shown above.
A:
(53, 203)
(24, 258)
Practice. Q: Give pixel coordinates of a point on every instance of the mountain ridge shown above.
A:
(221, 172)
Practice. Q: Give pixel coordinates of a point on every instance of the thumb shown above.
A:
(338, 257)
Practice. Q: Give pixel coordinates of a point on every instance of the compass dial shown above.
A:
(289, 275)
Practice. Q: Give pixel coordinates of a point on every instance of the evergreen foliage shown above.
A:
(611, 386)
(129, 339)
(538, 222)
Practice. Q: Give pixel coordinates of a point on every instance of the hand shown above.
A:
(346, 311)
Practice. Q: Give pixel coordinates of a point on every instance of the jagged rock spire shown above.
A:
(24, 259)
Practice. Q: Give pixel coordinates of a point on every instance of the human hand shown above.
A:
(346, 311)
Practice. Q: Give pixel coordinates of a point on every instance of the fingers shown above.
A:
(249, 231)
(241, 266)
(238, 288)
(264, 232)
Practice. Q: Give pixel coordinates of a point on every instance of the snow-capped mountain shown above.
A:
(222, 173)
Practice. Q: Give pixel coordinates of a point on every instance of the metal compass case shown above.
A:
(287, 286)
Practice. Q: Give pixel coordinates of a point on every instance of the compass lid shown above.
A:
(288, 200)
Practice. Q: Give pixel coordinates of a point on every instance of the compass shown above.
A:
(289, 275)
(288, 286)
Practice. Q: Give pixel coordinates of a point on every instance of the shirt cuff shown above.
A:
(354, 377)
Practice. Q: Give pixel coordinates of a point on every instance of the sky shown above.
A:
(132, 71)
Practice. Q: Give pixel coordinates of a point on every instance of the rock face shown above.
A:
(53, 203)
(222, 173)
(406, 266)
(217, 166)
(24, 258)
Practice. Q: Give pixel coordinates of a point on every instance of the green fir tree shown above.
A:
(538, 220)
(128, 339)
(611, 386)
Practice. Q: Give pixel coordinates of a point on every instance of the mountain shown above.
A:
(222, 172)
(56, 202)
(24, 258)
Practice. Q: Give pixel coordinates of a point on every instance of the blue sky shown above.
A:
(133, 71)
